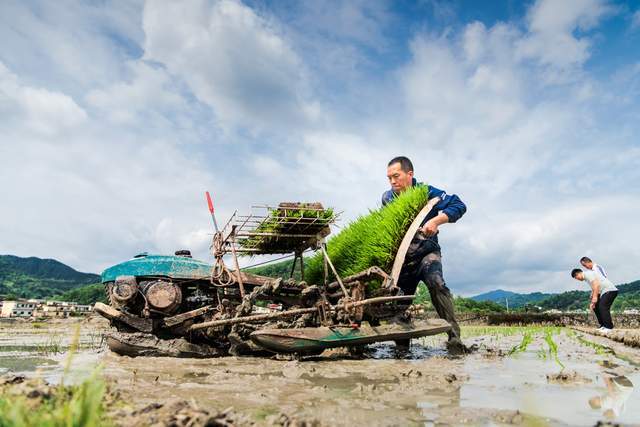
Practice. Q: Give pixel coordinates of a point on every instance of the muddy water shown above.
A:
(423, 387)
(42, 348)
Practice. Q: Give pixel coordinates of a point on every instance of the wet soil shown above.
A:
(630, 337)
(496, 385)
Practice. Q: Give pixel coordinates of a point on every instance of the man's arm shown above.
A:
(595, 291)
(451, 209)
(431, 226)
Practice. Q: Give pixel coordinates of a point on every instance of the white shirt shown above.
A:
(605, 284)
(599, 269)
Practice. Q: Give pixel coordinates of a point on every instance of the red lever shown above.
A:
(209, 202)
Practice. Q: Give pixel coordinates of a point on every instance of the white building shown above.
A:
(61, 309)
(39, 308)
(19, 308)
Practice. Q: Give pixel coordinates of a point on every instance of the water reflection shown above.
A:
(612, 403)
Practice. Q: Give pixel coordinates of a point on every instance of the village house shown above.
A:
(20, 308)
(38, 308)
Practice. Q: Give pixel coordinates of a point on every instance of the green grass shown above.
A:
(372, 239)
(80, 405)
(69, 406)
(53, 345)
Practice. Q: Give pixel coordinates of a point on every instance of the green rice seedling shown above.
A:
(372, 239)
(527, 338)
(552, 347)
(53, 345)
(599, 348)
(288, 219)
(73, 348)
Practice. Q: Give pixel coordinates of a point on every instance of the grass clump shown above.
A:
(372, 239)
(49, 406)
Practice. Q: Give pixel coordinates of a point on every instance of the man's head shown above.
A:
(577, 274)
(586, 262)
(400, 173)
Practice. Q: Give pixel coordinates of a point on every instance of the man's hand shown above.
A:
(592, 306)
(430, 228)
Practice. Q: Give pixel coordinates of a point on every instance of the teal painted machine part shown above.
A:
(175, 267)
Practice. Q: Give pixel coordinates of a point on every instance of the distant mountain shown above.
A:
(629, 297)
(39, 278)
(516, 300)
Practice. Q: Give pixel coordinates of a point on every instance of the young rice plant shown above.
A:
(372, 239)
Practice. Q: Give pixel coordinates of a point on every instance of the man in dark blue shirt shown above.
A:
(423, 261)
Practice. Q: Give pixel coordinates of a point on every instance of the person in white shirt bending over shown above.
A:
(603, 292)
(590, 265)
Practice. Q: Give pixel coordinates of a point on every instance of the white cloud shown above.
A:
(125, 102)
(43, 111)
(69, 46)
(553, 27)
(232, 59)
(82, 191)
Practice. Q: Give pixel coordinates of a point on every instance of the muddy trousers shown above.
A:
(429, 270)
(603, 308)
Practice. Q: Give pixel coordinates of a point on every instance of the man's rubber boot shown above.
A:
(455, 347)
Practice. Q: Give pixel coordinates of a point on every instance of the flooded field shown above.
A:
(518, 376)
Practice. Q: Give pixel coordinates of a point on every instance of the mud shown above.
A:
(570, 377)
(140, 344)
(423, 386)
(630, 337)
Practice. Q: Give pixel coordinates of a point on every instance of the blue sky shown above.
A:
(115, 117)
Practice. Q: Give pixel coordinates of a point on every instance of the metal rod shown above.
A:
(325, 270)
(293, 266)
(255, 318)
(263, 233)
(326, 256)
(235, 261)
(213, 215)
(363, 275)
(295, 312)
(376, 300)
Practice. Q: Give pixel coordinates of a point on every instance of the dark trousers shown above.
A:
(429, 270)
(603, 308)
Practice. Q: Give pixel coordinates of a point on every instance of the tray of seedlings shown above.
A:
(291, 227)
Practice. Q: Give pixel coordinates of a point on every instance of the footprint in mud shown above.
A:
(607, 364)
(569, 377)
